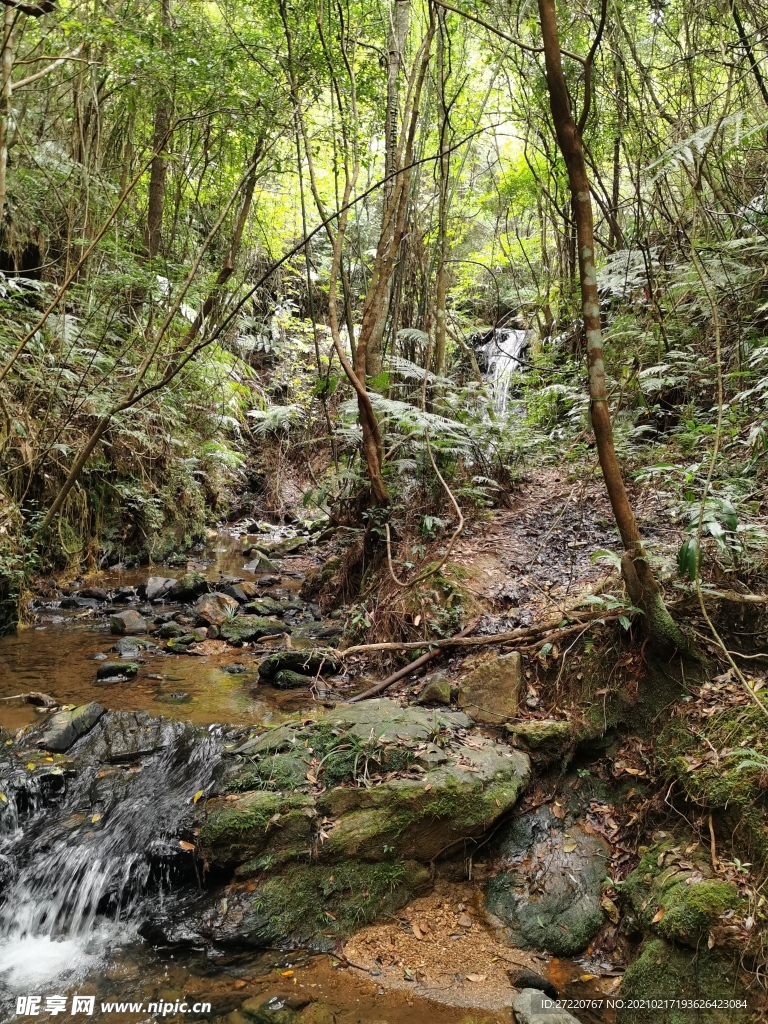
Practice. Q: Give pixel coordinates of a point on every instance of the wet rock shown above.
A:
(235, 669)
(76, 601)
(285, 679)
(216, 609)
(491, 692)
(250, 627)
(319, 660)
(265, 606)
(530, 979)
(260, 564)
(188, 587)
(181, 644)
(156, 587)
(129, 647)
(547, 894)
(673, 893)
(128, 621)
(234, 590)
(665, 971)
(532, 1006)
(258, 824)
(304, 905)
(64, 728)
(124, 594)
(115, 669)
(170, 630)
(97, 593)
(270, 1011)
(269, 580)
(126, 735)
(436, 691)
(322, 631)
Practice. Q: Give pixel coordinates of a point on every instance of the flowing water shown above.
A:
(500, 357)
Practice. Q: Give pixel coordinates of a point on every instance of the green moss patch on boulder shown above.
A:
(673, 893)
(243, 628)
(258, 822)
(318, 660)
(665, 971)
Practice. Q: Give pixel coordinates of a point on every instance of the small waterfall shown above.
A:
(499, 355)
(81, 858)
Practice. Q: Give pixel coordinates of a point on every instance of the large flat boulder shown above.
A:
(368, 781)
(63, 729)
(250, 627)
(490, 693)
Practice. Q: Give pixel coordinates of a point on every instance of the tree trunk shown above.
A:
(397, 34)
(156, 196)
(443, 169)
(642, 587)
(6, 70)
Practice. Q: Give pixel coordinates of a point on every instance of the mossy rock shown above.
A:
(320, 659)
(545, 735)
(301, 905)
(180, 644)
(317, 580)
(112, 669)
(265, 606)
(188, 587)
(250, 627)
(459, 792)
(287, 680)
(436, 691)
(171, 630)
(665, 971)
(673, 894)
(257, 823)
(547, 894)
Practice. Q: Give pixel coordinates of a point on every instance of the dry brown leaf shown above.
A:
(658, 915)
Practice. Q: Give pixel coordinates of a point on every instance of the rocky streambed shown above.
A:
(304, 860)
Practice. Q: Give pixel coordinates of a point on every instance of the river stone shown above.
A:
(110, 669)
(170, 630)
(532, 1006)
(436, 691)
(97, 593)
(63, 729)
(308, 662)
(546, 736)
(389, 723)
(128, 621)
(265, 606)
(260, 564)
(490, 693)
(236, 591)
(188, 587)
(157, 586)
(547, 895)
(250, 627)
(126, 735)
(216, 609)
(285, 679)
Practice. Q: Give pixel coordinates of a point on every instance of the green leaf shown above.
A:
(603, 555)
(689, 558)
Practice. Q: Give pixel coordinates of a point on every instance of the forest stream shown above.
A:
(99, 845)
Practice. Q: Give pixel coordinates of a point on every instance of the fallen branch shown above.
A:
(408, 669)
(483, 641)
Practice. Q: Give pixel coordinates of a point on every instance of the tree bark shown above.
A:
(642, 586)
(157, 175)
(6, 70)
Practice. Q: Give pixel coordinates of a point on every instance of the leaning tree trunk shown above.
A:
(642, 586)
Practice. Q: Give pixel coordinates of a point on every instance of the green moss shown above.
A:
(664, 885)
(665, 971)
(733, 783)
(332, 900)
(258, 823)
